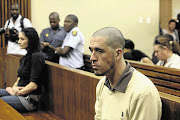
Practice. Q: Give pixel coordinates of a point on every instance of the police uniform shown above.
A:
(75, 40)
(55, 39)
(13, 48)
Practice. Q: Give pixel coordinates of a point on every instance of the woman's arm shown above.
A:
(27, 89)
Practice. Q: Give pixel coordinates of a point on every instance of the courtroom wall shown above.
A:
(137, 19)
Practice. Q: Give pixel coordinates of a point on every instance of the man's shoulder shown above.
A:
(141, 83)
(101, 82)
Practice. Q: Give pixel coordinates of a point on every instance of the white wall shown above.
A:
(125, 15)
(175, 8)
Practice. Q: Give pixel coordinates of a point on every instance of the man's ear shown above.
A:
(119, 53)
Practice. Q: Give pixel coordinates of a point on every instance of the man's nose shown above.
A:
(93, 57)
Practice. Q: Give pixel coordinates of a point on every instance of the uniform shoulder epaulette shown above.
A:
(47, 34)
(74, 33)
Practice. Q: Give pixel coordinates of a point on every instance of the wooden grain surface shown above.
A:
(9, 113)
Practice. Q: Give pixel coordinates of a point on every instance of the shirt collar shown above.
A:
(124, 79)
(170, 58)
(58, 29)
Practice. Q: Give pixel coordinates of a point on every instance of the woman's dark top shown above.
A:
(31, 70)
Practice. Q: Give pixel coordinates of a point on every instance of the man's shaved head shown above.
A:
(54, 14)
(114, 37)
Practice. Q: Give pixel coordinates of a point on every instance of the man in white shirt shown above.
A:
(13, 26)
(71, 52)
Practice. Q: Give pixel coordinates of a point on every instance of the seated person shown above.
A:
(25, 94)
(167, 50)
(54, 36)
(71, 52)
(137, 55)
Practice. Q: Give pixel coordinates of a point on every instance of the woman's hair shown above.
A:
(129, 44)
(33, 40)
(168, 41)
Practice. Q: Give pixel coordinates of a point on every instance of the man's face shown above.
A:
(102, 56)
(54, 22)
(23, 41)
(172, 26)
(15, 11)
(69, 24)
(159, 52)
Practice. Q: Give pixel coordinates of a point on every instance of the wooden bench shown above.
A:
(71, 94)
(166, 79)
(9, 113)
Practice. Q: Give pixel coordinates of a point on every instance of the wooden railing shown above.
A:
(70, 93)
(8, 113)
(166, 79)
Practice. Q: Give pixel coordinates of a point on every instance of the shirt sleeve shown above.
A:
(27, 23)
(38, 64)
(5, 26)
(146, 107)
(73, 41)
(42, 36)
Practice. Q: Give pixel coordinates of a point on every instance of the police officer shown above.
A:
(71, 52)
(54, 36)
(13, 26)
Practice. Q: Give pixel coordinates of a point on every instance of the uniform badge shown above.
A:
(47, 34)
(74, 33)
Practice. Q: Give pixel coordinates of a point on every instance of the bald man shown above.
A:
(123, 92)
(53, 36)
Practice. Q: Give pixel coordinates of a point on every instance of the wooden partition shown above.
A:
(2, 67)
(5, 13)
(166, 79)
(70, 93)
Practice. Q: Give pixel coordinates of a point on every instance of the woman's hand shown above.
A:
(16, 90)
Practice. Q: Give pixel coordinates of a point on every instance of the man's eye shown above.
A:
(99, 51)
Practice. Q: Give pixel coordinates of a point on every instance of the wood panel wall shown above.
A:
(5, 13)
(165, 12)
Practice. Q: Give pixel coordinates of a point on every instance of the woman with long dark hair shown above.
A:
(25, 94)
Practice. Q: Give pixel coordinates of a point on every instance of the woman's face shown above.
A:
(23, 41)
(159, 52)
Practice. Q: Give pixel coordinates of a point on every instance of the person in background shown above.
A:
(171, 30)
(137, 55)
(25, 94)
(167, 51)
(71, 52)
(178, 24)
(123, 92)
(13, 26)
(54, 36)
